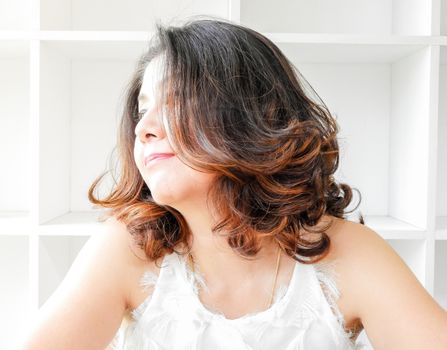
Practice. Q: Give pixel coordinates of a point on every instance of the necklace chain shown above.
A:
(191, 260)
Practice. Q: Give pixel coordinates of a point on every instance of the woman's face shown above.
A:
(170, 181)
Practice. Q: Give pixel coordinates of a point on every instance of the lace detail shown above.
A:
(195, 280)
(304, 315)
(148, 279)
(327, 277)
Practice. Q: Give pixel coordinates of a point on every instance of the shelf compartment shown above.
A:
(441, 175)
(14, 269)
(346, 16)
(390, 99)
(82, 91)
(15, 14)
(391, 228)
(440, 285)
(14, 131)
(15, 49)
(91, 46)
(330, 49)
(73, 224)
(443, 18)
(56, 255)
(441, 227)
(119, 15)
(15, 223)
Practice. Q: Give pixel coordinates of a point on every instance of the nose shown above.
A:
(149, 126)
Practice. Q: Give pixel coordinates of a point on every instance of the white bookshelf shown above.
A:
(380, 66)
(56, 253)
(14, 271)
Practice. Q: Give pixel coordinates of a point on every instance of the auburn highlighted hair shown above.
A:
(236, 107)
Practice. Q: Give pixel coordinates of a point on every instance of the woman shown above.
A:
(227, 229)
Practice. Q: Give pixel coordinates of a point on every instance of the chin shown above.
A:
(163, 198)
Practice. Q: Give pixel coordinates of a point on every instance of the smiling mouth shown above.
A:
(157, 159)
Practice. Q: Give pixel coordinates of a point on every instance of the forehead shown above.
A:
(152, 79)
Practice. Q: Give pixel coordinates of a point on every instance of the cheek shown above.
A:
(198, 182)
(137, 150)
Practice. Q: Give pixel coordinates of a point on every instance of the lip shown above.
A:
(155, 157)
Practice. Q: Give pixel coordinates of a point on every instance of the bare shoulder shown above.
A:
(349, 241)
(355, 248)
(133, 259)
(100, 282)
(379, 289)
(346, 236)
(360, 253)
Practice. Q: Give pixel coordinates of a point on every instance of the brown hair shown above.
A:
(236, 109)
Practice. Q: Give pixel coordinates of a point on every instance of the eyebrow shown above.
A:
(142, 97)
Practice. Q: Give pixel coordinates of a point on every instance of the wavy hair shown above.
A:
(237, 108)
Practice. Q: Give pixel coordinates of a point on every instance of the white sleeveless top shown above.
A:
(303, 316)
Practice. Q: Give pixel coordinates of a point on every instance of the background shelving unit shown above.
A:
(15, 285)
(56, 254)
(440, 273)
(380, 66)
(14, 111)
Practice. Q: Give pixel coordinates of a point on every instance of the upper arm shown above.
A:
(88, 306)
(395, 309)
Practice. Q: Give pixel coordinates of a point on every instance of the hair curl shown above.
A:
(237, 109)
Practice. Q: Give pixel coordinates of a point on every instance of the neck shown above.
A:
(222, 268)
(219, 264)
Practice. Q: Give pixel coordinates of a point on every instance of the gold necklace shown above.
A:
(191, 261)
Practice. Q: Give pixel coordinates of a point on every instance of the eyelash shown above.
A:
(140, 115)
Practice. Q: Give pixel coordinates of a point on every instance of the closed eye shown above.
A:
(140, 115)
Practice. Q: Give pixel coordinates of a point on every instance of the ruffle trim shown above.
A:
(124, 333)
(327, 277)
(203, 330)
(196, 281)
